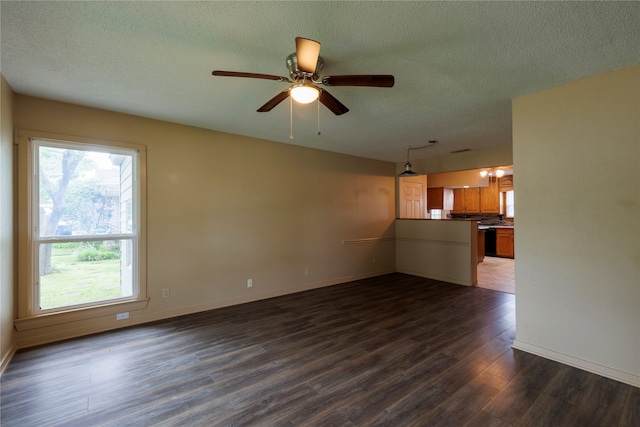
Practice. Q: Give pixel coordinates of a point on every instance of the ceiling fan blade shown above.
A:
(332, 103)
(274, 101)
(374, 80)
(307, 52)
(250, 75)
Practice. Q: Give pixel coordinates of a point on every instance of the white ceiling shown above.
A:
(457, 65)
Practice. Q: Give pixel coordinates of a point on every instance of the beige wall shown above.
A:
(225, 208)
(576, 151)
(7, 291)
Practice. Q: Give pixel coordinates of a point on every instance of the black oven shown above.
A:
(490, 242)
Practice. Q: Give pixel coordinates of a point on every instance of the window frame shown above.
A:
(29, 313)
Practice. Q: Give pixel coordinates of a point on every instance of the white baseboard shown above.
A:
(7, 358)
(585, 365)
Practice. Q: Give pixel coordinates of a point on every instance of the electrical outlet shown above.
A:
(122, 316)
(249, 283)
(165, 293)
(306, 271)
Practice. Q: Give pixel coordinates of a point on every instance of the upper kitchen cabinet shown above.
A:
(490, 197)
(458, 200)
(466, 200)
(477, 199)
(505, 183)
(472, 199)
(440, 198)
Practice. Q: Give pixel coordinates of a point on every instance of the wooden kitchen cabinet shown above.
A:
(480, 246)
(440, 198)
(472, 199)
(505, 183)
(466, 200)
(504, 242)
(477, 199)
(490, 197)
(458, 200)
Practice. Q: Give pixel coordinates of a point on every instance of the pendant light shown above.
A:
(407, 166)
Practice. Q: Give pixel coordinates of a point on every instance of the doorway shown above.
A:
(413, 196)
(497, 274)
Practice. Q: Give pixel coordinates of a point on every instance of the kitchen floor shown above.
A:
(497, 274)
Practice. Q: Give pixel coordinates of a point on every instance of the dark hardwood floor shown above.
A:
(394, 350)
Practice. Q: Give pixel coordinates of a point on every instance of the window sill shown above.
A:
(51, 319)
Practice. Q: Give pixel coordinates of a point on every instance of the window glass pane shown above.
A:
(82, 192)
(86, 213)
(510, 204)
(73, 273)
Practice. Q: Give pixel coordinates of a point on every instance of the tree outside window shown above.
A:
(85, 224)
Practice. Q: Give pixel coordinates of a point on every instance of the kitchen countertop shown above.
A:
(480, 226)
(486, 227)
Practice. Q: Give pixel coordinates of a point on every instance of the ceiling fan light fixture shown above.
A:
(497, 172)
(304, 94)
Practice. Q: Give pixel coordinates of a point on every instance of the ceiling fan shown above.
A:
(304, 66)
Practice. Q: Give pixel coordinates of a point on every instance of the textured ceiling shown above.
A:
(457, 65)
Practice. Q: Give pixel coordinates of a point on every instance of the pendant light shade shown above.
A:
(407, 171)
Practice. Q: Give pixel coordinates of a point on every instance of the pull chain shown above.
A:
(318, 102)
(290, 117)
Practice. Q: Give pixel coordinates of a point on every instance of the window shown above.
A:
(86, 226)
(507, 204)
